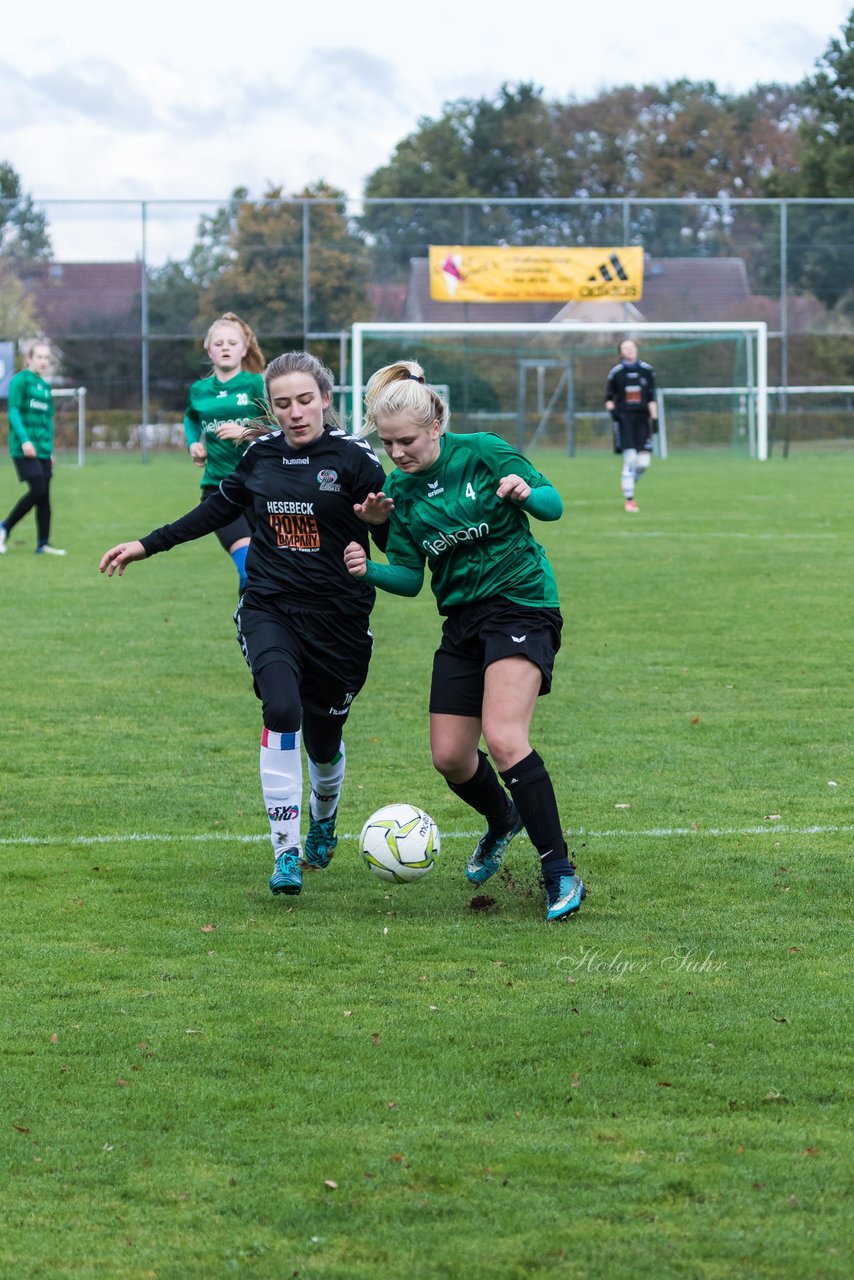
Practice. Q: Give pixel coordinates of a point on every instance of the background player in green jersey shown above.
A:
(303, 620)
(461, 504)
(31, 446)
(218, 410)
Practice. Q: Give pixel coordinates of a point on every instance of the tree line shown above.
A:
(676, 140)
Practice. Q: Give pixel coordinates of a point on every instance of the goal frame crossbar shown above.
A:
(757, 329)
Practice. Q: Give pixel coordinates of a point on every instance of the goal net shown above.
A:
(69, 407)
(543, 385)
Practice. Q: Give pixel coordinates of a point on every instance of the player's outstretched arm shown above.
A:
(375, 509)
(114, 560)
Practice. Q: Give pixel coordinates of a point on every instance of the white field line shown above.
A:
(225, 837)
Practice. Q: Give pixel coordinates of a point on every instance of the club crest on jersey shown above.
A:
(328, 481)
(434, 488)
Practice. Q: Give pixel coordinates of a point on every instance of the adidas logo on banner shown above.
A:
(605, 270)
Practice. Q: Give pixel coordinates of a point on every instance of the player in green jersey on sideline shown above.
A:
(31, 446)
(461, 503)
(219, 408)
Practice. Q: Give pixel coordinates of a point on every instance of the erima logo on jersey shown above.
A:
(447, 540)
(434, 489)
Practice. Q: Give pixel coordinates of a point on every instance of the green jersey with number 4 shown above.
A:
(210, 404)
(476, 544)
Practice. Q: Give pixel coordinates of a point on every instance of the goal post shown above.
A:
(78, 394)
(524, 378)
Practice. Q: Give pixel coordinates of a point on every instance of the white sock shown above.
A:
(627, 476)
(281, 786)
(326, 782)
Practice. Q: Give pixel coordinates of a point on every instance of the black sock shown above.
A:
(485, 794)
(531, 788)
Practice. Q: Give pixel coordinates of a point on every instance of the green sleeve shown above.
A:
(396, 578)
(543, 503)
(16, 424)
(192, 430)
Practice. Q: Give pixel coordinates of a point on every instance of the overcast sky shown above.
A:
(171, 100)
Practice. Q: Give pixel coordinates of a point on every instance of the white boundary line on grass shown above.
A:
(225, 837)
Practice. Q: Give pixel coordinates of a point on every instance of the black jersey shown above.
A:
(302, 501)
(631, 387)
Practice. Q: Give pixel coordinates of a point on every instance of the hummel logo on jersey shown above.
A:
(519, 639)
(434, 489)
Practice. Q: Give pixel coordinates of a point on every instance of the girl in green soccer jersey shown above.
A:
(461, 503)
(31, 446)
(219, 408)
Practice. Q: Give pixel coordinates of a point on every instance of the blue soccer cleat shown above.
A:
(287, 877)
(320, 842)
(489, 854)
(565, 896)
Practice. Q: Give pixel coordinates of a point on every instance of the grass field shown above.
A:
(199, 1080)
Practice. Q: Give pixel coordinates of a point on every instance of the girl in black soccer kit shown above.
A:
(630, 400)
(461, 504)
(219, 408)
(303, 620)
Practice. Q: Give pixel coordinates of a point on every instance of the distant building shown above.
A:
(97, 299)
(674, 289)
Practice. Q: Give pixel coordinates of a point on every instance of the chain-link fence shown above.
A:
(133, 287)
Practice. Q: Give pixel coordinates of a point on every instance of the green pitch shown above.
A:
(199, 1080)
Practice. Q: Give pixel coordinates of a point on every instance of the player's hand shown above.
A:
(355, 559)
(28, 449)
(375, 509)
(198, 453)
(114, 560)
(513, 487)
(229, 431)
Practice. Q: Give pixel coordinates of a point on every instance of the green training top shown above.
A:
(210, 403)
(476, 544)
(30, 414)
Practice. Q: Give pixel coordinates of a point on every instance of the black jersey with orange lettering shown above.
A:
(302, 500)
(631, 387)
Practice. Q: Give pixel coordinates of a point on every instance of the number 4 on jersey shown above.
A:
(470, 493)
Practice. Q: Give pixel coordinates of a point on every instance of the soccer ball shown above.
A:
(399, 843)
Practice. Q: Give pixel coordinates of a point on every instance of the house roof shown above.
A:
(674, 289)
(92, 297)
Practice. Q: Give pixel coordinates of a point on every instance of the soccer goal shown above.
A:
(543, 385)
(71, 426)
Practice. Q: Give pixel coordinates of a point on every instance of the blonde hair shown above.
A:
(401, 388)
(253, 360)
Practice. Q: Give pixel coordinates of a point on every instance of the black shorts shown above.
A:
(33, 470)
(476, 635)
(632, 431)
(329, 652)
(242, 526)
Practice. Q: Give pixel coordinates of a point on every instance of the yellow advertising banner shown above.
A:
(490, 273)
